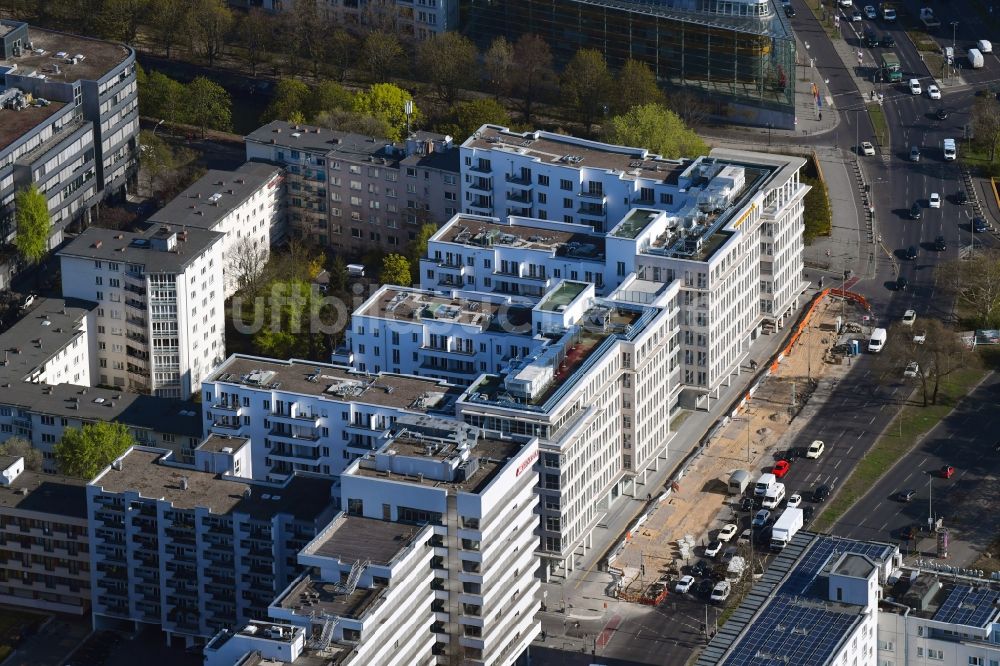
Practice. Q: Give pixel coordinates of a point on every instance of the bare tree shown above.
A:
(245, 265)
(254, 36)
(975, 283)
(381, 16)
(986, 123)
(380, 53)
(691, 107)
(22, 448)
(930, 358)
(534, 78)
(499, 64)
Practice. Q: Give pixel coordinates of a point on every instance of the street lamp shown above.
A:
(954, 25)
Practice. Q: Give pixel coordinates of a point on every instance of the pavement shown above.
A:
(55, 640)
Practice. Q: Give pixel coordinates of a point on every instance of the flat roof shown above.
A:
(215, 195)
(215, 443)
(970, 606)
(143, 471)
(337, 383)
(854, 565)
(309, 596)
(355, 538)
(99, 56)
(45, 328)
(628, 162)
(519, 233)
(53, 494)
(15, 124)
(136, 248)
(399, 303)
(563, 295)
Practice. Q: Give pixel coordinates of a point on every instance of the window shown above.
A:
(975, 661)
(937, 655)
(543, 180)
(567, 203)
(566, 185)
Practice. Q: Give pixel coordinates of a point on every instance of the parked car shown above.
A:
(906, 495)
(704, 589)
(934, 201)
(684, 584)
(746, 536)
(909, 317)
(816, 449)
(712, 549)
(795, 501)
(947, 472)
(721, 591)
(870, 12)
(807, 512)
(727, 532)
(912, 370)
(789, 11)
(821, 493)
(781, 468)
(701, 569)
(762, 518)
(979, 225)
(746, 504)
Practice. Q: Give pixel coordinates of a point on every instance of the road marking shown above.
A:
(872, 421)
(836, 464)
(861, 434)
(849, 449)
(834, 482)
(884, 525)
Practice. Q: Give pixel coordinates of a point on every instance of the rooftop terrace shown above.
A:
(628, 163)
(218, 443)
(406, 304)
(354, 538)
(563, 295)
(482, 232)
(336, 383)
(310, 596)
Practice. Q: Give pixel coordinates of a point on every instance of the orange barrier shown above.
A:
(807, 316)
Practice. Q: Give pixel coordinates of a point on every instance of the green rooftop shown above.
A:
(564, 294)
(633, 224)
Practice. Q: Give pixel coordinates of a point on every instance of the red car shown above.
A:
(947, 472)
(780, 468)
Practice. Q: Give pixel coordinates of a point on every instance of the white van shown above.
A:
(774, 497)
(877, 342)
(975, 58)
(984, 46)
(764, 484)
(355, 270)
(950, 150)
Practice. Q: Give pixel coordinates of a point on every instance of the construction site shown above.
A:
(821, 347)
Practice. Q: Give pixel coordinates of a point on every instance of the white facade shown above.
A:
(160, 316)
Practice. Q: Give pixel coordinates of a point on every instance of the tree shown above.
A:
(121, 19)
(310, 29)
(156, 158)
(245, 265)
(290, 97)
(986, 123)
(170, 21)
(387, 102)
(534, 79)
(22, 448)
(657, 129)
(470, 116)
(208, 105)
(349, 121)
(31, 215)
(328, 96)
(381, 16)
(690, 107)
(254, 31)
(338, 275)
(379, 52)
(498, 61)
(395, 270)
(449, 62)
(162, 97)
(417, 249)
(587, 86)
(212, 23)
(84, 452)
(941, 354)
(341, 50)
(295, 314)
(975, 282)
(635, 86)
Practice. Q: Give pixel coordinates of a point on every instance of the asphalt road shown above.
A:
(967, 440)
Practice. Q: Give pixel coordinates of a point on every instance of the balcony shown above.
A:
(233, 406)
(481, 184)
(136, 290)
(597, 195)
(592, 209)
(294, 454)
(520, 197)
(293, 435)
(521, 180)
(223, 424)
(481, 203)
(137, 338)
(135, 304)
(133, 320)
(311, 420)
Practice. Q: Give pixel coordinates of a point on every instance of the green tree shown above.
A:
(657, 129)
(311, 31)
(471, 115)
(22, 448)
(395, 270)
(31, 215)
(290, 97)
(170, 23)
(253, 34)
(380, 52)
(213, 22)
(587, 86)
(349, 121)
(328, 96)
(156, 158)
(417, 249)
(986, 123)
(635, 85)
(295, 312)
(498, 62)
(162, 97)
(84, 452)
(121, 19)
(534, 79)
(208, 106)
(338, 275)
(818, 215)
(449, 62)
(387, 102)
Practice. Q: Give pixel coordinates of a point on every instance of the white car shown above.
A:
(935, 200)
(684, 584)
(867, 149)
(721, 591)
(712, 549)
(727, 533)
(846, 3)
(915, 88)
(984, 46)
(794, 501)
(933, 91)
(909, 317)
(912, 370)
(815, 449)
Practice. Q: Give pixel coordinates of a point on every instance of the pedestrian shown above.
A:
(821, 115)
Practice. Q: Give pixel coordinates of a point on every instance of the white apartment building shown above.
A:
(48, 367)
(160, 315)
(194, 551)
(312, 417)
(246, 205)
(475, 491)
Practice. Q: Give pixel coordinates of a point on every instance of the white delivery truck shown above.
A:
(975, 59)
(774, 496)
(738, 482)
(764, 484)
(984, 46)
(876, 342)
(950, 149)
(787, 525)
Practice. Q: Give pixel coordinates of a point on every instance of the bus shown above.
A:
(891, 70)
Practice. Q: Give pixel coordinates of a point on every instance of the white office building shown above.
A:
(160, 316)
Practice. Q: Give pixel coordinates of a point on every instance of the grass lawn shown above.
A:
(899, 438)
(877, 115)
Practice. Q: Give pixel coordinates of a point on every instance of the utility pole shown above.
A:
(930, 503)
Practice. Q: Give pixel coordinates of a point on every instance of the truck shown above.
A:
(888, 13)
(876, 342)
(764, 484)
(787, 525)
(891, 71)
(738, 482)
(928, 19)
(975, 59)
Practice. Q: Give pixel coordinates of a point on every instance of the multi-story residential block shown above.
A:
(68, 122)
(352, 193)
(44, 553)
(314, 417)
(49, 366)
(193, 551)
(247, 205)
(160, 316)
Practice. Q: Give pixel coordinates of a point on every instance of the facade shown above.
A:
(46, 386)
(312, 417)
(69, 121)
(43, 540)
(351, 193)
(246, 205)
(160, 316)
(194, 551)
(739, 55)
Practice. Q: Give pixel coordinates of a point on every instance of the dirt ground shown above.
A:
(694, 507)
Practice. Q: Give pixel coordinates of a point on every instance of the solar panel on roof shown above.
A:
(967, 606)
